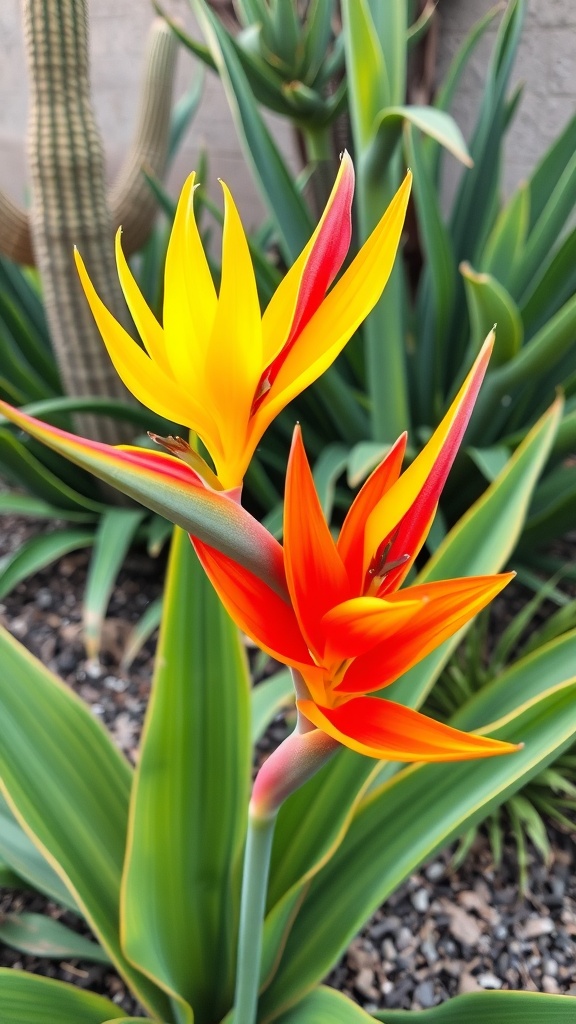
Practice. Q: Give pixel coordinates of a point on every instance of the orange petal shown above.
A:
(405, 511)
(355, 626)
(392, 732)
(351, 540)
(258, 611)
(317, 579)
(447, 605)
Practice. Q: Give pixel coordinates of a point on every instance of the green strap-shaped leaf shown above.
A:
(399, 826)
(20, 853)
(39, 935)
(284, 203)
(29, 472)
(188, 815)
(366, 73)
(544, 233)
(325, 1006)
(550, 169)
(526, 679)
(432, 122)
(68, 785)
(490, 1008)
(113, 538)
(37, 553)
(489, 305)
(553, 286)
(436, 290)
(32, 999)
(507, 238)
(268, 698)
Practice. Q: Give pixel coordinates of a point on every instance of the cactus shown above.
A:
(69, 202)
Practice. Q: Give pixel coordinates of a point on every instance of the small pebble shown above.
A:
(420, 900)
(424, 994)
(489, 981)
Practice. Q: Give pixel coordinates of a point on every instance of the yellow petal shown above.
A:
(144, 378)
(234, 356)
(146, 323)
(189, 296)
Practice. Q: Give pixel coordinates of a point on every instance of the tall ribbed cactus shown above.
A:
(69, 203)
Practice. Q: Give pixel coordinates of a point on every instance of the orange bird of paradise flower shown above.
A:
(216, 364)
(349, 630)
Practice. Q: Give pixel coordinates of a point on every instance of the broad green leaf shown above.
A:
(553, 510)
(542, 354)
(432, 122)
(550, 169)
(490, 1008)
(38, 552)
(63, 405)
(470, 220)
(398, 827)
(525, 680)
(8, 878)
(366, 72)
(363, 458)
(490, 461)
(39, 935)
(112, 540)
(507, 238)
(490, 305)
(188, 811)
(552, 287)
(546, 230)
(20, 853)
(391, 25)
(31, 349)
(325, 1006)
(284, 203)
(211, 516)
(327, 468)
(482, 542)
(32, 999)
(14, 503)
(436, 289)
(268, 697)
(68, 786)
(29, 472)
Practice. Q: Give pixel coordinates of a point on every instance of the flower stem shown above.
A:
(252, 907)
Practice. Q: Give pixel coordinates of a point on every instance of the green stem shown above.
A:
(253, 905)
(317, 142)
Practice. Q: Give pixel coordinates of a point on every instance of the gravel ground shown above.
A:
(443, 932)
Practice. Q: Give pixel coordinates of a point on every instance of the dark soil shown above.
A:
(443, 932)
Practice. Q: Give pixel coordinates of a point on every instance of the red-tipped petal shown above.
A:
(255, 608)
(306, 283)
(351, 540)
(317, 579)
(379, 728)
(447, 605)
(404, 514)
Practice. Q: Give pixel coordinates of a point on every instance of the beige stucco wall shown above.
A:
(547, 63)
